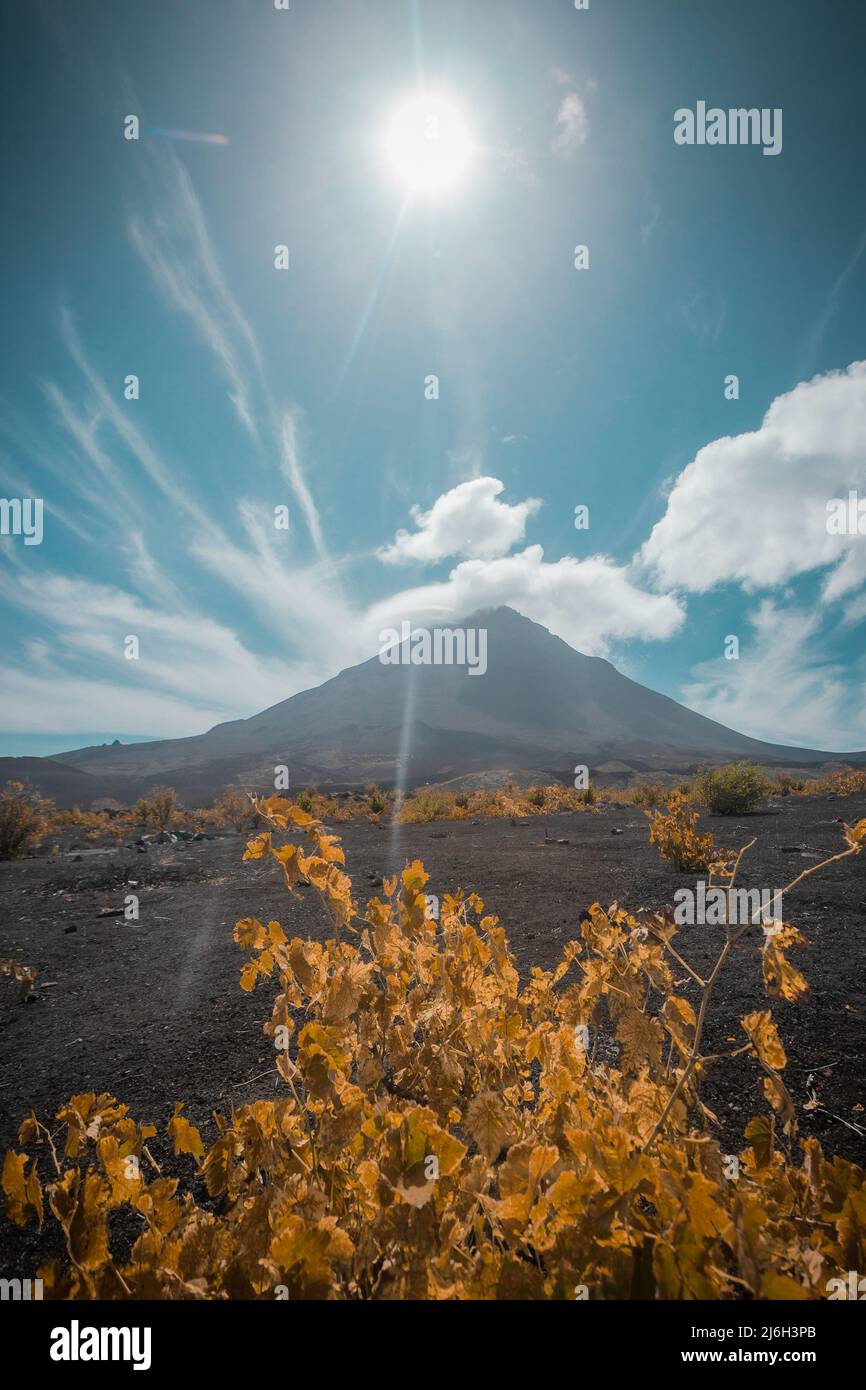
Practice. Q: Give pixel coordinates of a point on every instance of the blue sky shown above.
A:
(305, 387)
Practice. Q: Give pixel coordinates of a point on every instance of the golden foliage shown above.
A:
(674, 830)
(23, 819)
(443, 1132)
(23, 975)
(235, 808)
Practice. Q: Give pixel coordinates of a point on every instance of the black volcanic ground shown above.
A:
(153, 1011)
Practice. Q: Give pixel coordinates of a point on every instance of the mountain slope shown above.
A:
(540, 705)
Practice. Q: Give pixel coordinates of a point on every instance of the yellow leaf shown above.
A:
(14, 1187)
(761, 1032)
(187, 1139)
(488, 1123)
(759, 1133)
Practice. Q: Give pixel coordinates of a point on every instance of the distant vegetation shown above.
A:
(733, 790)
(27, 820)
(23, 820)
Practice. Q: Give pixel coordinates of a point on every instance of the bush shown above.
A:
(647, 794)
(237, 809)
(442, 1133)
(732, 790)
(377, 801)
(786, 785)
(163, 807)
(675, 832)
(23, 819)
(424, 806)
(535, 796)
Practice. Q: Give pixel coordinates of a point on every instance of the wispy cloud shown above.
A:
(191, 668)
(831, 305)
(783, 688)
(290, 462)
(178, 283)
(572, 126)
(164, 477)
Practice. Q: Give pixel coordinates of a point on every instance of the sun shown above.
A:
(428, 144)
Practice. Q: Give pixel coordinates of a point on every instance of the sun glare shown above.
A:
(428, 144)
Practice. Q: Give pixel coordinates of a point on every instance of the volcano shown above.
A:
(536, 711)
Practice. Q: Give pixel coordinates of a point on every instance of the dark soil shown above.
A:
(152, 1011)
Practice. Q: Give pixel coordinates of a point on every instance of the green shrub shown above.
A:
(732, 790)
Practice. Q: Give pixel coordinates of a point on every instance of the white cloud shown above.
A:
(181, 257)
(752, 508)
(588, 603)
(572, 126)
(831, 304)
(290, 463)
(192, 670)
(467, 521)
(195, 285)
(782, 689)
(160, 473)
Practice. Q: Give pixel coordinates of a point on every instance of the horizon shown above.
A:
(386, 656)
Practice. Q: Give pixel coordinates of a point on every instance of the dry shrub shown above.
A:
(235, 808)
(94, 824)
(159, 809)
(649, 794)
(429, 804)
(674, 830)
(845, 781)
(443, 1133)
(24, 819)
